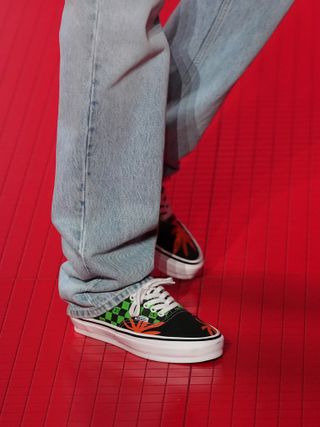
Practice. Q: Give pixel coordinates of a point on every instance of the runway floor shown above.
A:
(250, 193)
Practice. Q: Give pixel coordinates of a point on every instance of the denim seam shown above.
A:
(93, 283)
(88, 135)
(200, 55)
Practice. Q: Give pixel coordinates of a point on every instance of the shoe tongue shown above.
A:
(153, 293)
(159, 296)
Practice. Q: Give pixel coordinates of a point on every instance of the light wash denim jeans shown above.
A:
(135, 98)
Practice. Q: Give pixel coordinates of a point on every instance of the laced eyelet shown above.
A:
(146, 305)
(131, 297)
(160, 314)
(152, 310)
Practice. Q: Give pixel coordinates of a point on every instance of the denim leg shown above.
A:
(109, 156)
(212, 42)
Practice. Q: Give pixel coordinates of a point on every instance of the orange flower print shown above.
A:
(143, 327)
(207, 327)
(182, 240)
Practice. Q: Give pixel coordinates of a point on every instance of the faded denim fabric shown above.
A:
(134, 98)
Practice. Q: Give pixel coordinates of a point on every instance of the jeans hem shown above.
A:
(74, 311)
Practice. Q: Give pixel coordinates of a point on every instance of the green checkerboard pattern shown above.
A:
(120, 313)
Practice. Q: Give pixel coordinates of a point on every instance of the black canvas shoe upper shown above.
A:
(152, 311)
(173, 237)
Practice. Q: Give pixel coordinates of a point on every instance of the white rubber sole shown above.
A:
(161, 350)
(175, 268)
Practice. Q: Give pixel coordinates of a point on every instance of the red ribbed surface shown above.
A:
(251, 195)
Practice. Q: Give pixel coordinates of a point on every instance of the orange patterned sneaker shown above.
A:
(152, 325)
(177, 252)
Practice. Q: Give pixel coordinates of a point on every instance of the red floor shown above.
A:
(251, 195)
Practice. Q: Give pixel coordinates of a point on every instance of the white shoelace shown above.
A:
(154, 296)
(165, 208)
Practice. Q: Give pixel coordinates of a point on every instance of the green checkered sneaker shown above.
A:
(151, 324)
